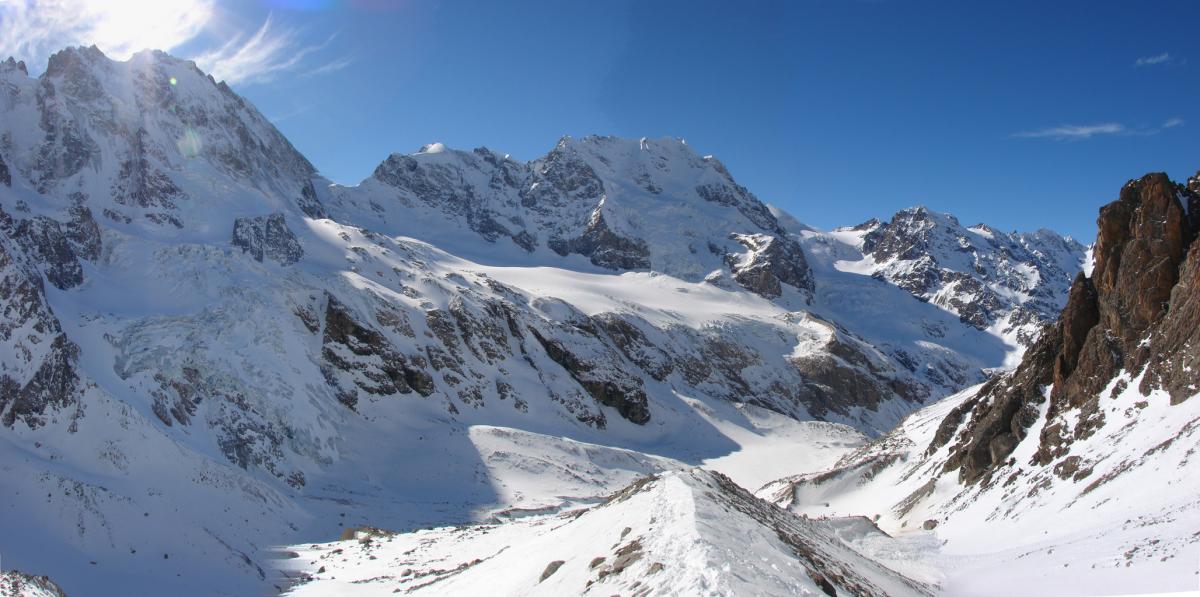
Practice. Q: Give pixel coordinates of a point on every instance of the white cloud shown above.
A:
(1071, 131)
(1152, 60)
(1075, 132)
(31, 30)
(258, 58)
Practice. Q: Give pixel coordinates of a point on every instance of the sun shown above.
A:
(122, 27)
(33, 29)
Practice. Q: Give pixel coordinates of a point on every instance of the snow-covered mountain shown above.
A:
(619, 204)
(207, 350)
(1073, 474)
(1011, 284)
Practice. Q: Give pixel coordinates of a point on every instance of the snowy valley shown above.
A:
(611, 368)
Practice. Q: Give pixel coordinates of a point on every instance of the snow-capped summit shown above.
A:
(140, 142)
(619, 204)
(1009, 283)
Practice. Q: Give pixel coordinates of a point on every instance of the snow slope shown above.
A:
(686, 532)
(1128, 526)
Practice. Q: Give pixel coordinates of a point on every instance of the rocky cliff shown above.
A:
(1136, 314)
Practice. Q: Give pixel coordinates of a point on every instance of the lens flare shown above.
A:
(174, 81)
(189, 145)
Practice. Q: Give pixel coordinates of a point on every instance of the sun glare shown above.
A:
(125, 26)
(118, 27)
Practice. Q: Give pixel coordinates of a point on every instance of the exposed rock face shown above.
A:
(771, 261)
(1017, 281)
(1174, 359)
(448, 187)
(849, 370)
(1137, 313)
(627, 334)
(267, 237)
(736, 196)
(140, 183)
(560, 177)
(609, 387)
(605, 248)
(43, 239)
(309, 203)
(365, 355)
(66, 147)
(246, 434)
(5, 175)
(39, 373)
(82, 231)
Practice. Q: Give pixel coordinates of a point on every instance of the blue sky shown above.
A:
(1019, 114)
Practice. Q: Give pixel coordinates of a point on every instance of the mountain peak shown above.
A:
(133, 137)
(989, 278)
(12, 64)
(68, 58)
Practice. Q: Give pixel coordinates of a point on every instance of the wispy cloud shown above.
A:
(1079, 132)
(259, 58)
(33, 29)
(1068, 132)
(330, 67)
(1163, 58)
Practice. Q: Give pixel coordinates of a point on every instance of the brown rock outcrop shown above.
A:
(1139, 311)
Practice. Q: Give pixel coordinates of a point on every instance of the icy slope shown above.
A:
(1073, 474)
(686, 532)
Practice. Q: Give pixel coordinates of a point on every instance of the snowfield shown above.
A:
(1130, 526)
